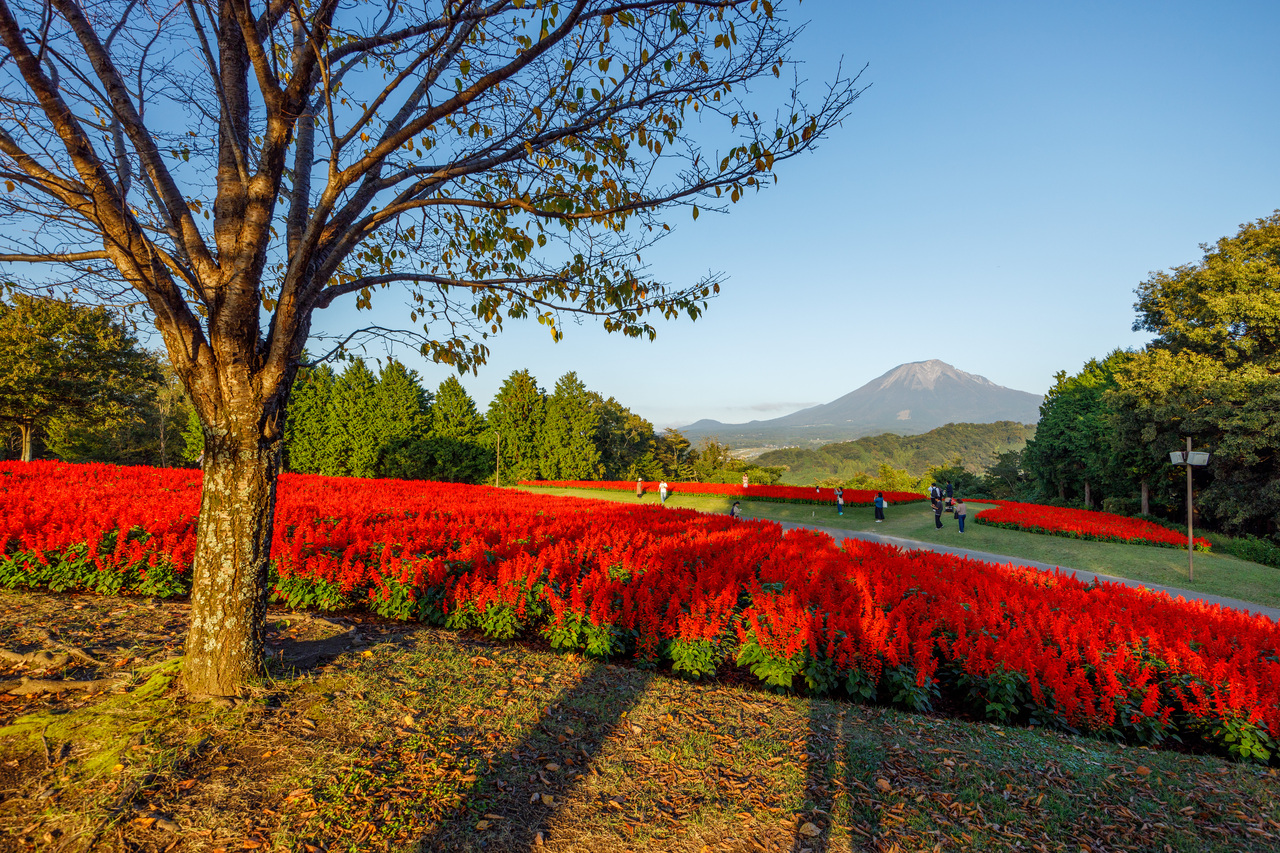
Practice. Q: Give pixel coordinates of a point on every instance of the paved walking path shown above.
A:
(839, 534)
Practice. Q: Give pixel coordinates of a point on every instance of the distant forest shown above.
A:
(976, 446)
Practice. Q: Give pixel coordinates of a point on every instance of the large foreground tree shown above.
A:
(231, 167)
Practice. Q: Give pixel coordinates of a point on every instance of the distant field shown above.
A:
(1215, 574)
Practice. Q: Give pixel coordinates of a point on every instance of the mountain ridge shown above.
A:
(909, 399)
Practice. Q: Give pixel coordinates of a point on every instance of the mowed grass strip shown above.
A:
(1215, 574)
(422, 739)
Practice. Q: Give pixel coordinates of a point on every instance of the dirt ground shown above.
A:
(375, 735)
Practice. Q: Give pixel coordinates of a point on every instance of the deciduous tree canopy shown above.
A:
(1212, 373)
(1227, 306)
(58, 358)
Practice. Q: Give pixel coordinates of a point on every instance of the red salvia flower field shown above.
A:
(780, 494)
(1083, 524)
(696, 591)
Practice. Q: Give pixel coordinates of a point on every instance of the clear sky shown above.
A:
(1013, 172)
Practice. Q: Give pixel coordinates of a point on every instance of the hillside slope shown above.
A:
(976, 445)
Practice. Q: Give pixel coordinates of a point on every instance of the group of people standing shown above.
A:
(663, 489)
(943, 499)
(880, 503)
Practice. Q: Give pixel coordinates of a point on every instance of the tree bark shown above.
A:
(27, 431)
(1146, 498)
(224, 650)
(1088, 498)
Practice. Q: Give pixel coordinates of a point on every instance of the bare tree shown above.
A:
(230, 167)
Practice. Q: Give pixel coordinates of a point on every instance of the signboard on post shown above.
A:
(1190, 458)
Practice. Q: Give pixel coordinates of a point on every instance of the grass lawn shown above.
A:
(419, 739)
(1215, 574)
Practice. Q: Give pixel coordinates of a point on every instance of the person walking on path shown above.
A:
(839, 501)
(958, 509)
(639, 488)
(880, 503)
(736, 511)
(662, 490)
(937, 513)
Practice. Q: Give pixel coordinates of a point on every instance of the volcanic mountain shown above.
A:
(908, 400)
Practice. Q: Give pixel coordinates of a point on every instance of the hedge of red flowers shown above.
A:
(1083, 524)
(691, 590)
(778, 494)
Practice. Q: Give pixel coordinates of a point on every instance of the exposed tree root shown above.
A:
(320, 620)
(28, 686)
(41, 660)
(75, 651)
(49, 660)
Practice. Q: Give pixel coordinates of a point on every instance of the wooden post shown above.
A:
(1191, 540)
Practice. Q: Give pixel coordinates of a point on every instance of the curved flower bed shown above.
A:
(1083, 524)
(777, 494)
(693, 591)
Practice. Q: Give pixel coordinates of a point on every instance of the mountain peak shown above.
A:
(924, 376)
(911, 398)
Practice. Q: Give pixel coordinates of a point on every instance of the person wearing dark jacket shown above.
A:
(937, 513)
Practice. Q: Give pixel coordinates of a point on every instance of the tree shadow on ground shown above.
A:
(841, 787)
(516, 800)
(304, 641)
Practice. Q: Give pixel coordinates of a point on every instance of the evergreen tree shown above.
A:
(402, 422)
(569, 449)
(457, 445)
(1071, 454)
(173, 407)
(307, 424)
(625, 442)
(516, 416)
(1006, 479)
(676, 455)
(351, 442)
(192, 438)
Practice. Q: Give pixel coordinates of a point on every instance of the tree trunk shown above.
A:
(1088, 499)
(164, 460)
(1146, 498)
(27, 431)
(1062, 491)
(225, 648)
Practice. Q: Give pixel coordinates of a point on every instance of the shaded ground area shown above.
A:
(399, 737)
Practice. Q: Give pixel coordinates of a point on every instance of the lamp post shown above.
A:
(1190, 459)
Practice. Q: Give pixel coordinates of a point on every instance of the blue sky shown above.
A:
(1010, 176)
